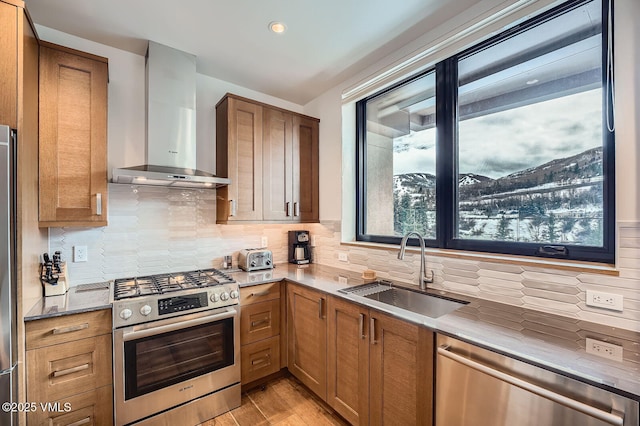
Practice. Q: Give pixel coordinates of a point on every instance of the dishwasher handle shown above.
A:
(607, 417)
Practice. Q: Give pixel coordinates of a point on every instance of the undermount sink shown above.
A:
(421, 303)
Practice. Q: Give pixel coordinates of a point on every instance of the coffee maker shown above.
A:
(299, 247)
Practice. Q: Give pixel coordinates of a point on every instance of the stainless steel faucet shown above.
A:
(422, 277)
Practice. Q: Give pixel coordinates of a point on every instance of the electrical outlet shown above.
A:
(604, 349)
(264, 242)
(342, 256)
(610, 301)
(342, 280)
(313, 241)
(80, 254)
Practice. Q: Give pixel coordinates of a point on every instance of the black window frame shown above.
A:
(446, 164)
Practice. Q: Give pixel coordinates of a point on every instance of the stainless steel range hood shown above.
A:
(171, 124)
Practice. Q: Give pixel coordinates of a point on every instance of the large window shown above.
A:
(502, 148)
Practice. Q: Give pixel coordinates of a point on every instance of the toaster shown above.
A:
(255, 259)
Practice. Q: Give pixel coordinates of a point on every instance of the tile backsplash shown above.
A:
(544, 289)
(155, 229)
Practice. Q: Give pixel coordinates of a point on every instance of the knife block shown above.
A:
(61, 286)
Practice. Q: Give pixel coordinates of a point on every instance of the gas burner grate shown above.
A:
(168, 283)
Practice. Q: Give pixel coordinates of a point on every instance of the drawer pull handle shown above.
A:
(71, 370)
(71, 328)
(296, 209)
(259, 322)
(261, 360)
(372, 331)
(232, 208)
(98, 204)
(84, 421)
(260, 293)
(288, 208)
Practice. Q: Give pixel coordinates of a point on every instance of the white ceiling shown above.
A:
(326, 42)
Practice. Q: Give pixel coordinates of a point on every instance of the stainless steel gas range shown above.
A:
(176, 347)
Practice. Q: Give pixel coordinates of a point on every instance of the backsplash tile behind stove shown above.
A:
(156, 229)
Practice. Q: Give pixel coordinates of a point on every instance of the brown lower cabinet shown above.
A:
(69, 373)
(261, 331)
(370, 367)
(307, 337)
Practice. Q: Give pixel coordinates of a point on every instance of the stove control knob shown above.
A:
(224, 296)
(145, 310)
(125, 314)
(214, 297)
(234, 294)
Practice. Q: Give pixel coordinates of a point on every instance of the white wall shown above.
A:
(627, 79)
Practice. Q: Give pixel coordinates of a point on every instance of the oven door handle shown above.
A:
(178, 325)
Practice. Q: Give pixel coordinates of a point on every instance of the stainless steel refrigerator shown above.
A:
(8, 369)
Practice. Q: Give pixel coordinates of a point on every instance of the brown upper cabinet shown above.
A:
(73, 138)
(271, 157)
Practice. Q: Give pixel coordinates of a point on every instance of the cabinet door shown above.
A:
(93, 408)
(239, 151)
(73, 139)
(259, 321)
(305, 169)
(8, 65)
(58, 371)
(348, 360)
(277, 162)
(260, 359)
(401, 372)
(307, 337)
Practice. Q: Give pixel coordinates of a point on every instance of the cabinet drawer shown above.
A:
(259, 293)
(52, 331)
(260, 359)
(259, 321)
(93, 408)
(58, 371)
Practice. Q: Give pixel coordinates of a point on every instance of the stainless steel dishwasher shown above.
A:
(478, 387)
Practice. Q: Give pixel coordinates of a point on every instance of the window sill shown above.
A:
(564, 265)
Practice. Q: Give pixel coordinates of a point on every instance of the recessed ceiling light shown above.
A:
(277, 27)
(534, 81)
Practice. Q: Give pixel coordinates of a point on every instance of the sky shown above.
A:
(498, 144)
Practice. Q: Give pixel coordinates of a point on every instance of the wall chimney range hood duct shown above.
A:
(171, 125)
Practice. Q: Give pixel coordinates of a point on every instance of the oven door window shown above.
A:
(158, 361)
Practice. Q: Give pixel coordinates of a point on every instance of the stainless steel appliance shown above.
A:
(478, 387)
(255, 259)
(171, 125)
(8, 367)
(299, 247)
(176, 347)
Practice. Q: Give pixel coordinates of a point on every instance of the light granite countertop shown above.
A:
(550, 341)
(75, 301)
